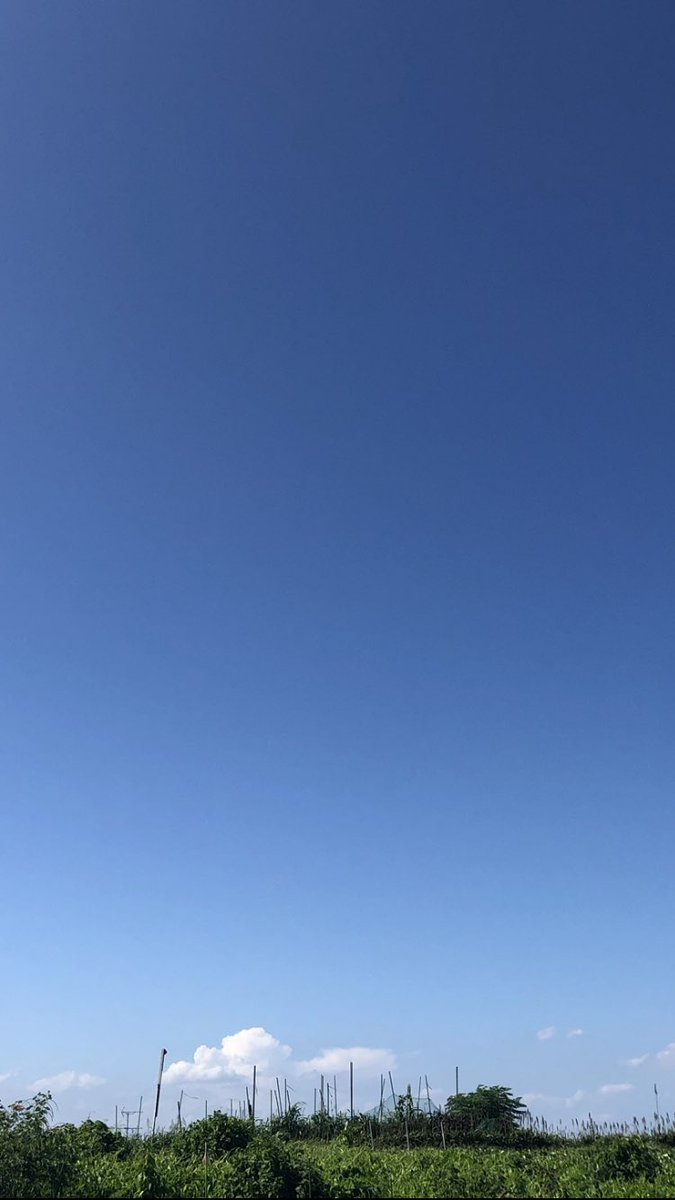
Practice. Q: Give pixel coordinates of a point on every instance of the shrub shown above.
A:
(217, 1135)
(625, 1158)
(34, 1160)
(350, 1173)
(266, 1167)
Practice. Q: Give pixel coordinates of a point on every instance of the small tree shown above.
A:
(488, 1110)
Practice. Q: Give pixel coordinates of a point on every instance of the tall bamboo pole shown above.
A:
(159, 1088)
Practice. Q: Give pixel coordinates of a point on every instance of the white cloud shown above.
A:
(615, 1089)
(574, 1033)
(65, 1080)
(367, 1060)
(233, 1059)
(553, 1101)
(667, 1056)
(546, 1034)
(541, 1097)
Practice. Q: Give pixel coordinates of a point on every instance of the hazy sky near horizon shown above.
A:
(336, 478)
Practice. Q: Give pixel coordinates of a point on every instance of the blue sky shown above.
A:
(336, 530)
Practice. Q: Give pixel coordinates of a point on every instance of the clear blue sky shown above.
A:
(336, 476)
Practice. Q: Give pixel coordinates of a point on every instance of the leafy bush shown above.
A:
(95, 1137)
(266, 1167)
(216, 1136)
(291, 1125)
(34, 1160)
(625, 1158)
(350, 1173)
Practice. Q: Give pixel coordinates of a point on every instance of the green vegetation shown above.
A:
(477, 1147)
(488, 1110)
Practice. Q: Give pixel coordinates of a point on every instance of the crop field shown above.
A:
(327, 1157)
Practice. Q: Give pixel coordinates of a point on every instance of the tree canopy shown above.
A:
(487, 1110)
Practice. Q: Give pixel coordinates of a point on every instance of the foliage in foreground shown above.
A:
(225, 1157)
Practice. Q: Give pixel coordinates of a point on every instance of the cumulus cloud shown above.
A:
(667, 1056)
(637, 1061)
(575, 1098)
(65, 1080)
(233, 1059)
(368, 1061)
(615, 1089)
(546, 1034)
(574, 1033)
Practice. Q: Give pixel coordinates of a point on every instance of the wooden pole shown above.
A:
(138, 1124)
(253, 1108)
(159, 1088)
(426, 1081)
(457, 1081)
(393, 1093)
(335, 1095)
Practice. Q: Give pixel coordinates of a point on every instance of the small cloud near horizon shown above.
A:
(637, 1061)
(368, 1060)
(65, 1080)
(666, 1057)
(615, 1089)
(554, 1101)
(545, 1035)
(574, 1033)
